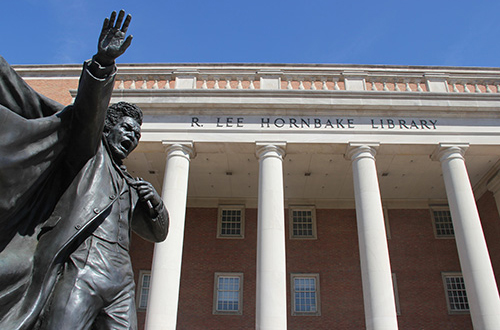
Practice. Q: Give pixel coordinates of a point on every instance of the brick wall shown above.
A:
(55, 89)
(417, 259)
(491, 228)
(203, 256)
(141, 253)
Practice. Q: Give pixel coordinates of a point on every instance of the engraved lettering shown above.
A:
(293, 122)
(239, 122)
(317, 123)
(195, 121)
(279, 122)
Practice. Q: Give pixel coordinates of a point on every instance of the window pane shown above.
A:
(302, 223)
(305, 294)
(228, 293)
(457, 295)
(443, 223)
(143, 300)
(230, 222)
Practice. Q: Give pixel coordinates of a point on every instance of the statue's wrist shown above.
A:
(103, 61)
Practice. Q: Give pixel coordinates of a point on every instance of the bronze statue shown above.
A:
(67, 203)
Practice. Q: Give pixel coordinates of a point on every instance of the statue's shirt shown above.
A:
(116, 226)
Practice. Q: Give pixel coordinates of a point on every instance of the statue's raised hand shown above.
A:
(112, 42)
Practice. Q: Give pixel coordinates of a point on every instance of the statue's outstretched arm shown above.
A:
(95, 88)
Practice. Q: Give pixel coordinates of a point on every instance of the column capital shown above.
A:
(180, 148)
(357, 150)
(447, 151)
(270, 149)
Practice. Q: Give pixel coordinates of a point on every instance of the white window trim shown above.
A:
(293, 276)
(305, 208)
(444, 275)
(219, 221)
(240, 294)
(433, 208)
(140, 284)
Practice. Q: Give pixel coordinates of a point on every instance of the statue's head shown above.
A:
(122, 129)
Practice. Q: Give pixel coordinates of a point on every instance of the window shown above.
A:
(303, 222)
(456, 295)
(305, 294)
(231, 222)
(143, 291)
(386, 221)
(228, 295)
(443, 225)
(396, 294)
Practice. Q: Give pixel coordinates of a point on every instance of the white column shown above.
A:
(271, 310)
(482, 291)
(378, 291)
(167, 259)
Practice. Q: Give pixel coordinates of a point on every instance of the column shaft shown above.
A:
(378, 291)
(167, 259)
(482, 291)
(271, 310)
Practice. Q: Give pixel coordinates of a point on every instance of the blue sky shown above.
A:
(404, 32)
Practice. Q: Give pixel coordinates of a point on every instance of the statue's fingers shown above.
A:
(119, 21)
(143, 188)
(146, 189)
(126, 23)
(112, 19)
(105, 24)
(104, 28)
(147, 197)
(126, 43)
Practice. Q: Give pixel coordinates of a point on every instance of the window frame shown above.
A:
(396, 293)
(294, 276)
(311, 208)
(222, 208)
(215, 310)
(386, 222)
(451, 311)
(437, 208)
(140, 287)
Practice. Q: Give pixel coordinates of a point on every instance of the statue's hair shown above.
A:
(122, 109)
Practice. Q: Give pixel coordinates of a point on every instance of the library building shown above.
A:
(314, 196)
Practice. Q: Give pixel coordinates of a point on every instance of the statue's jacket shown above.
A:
(76, 190)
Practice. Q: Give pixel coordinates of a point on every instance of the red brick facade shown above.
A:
(56, 89)
(417, 259)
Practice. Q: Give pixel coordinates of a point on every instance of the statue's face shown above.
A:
(123, 137)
